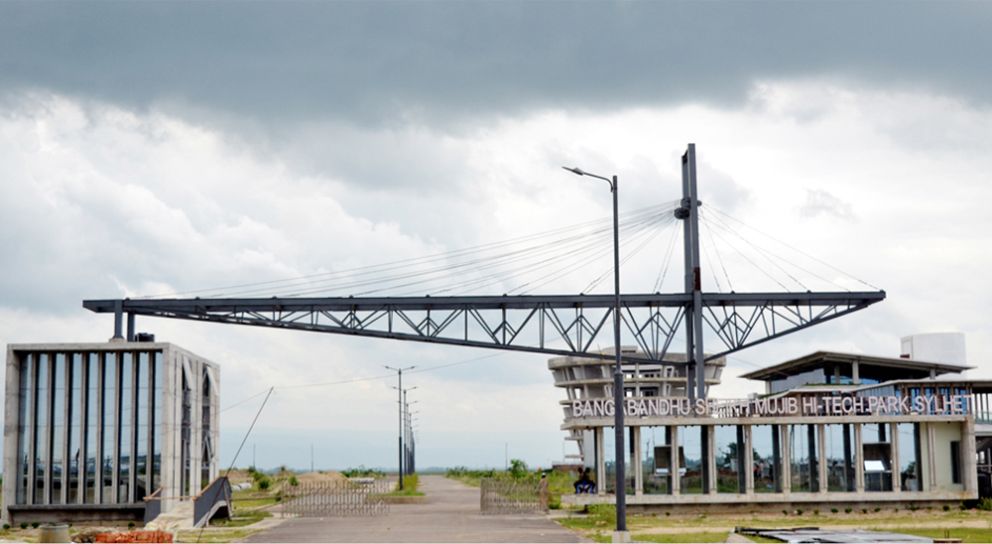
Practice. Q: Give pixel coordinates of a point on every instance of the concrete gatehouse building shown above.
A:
(831, 428)
(106, 430)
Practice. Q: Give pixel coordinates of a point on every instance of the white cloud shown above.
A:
(99, 201)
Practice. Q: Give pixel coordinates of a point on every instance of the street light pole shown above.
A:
(618, 394)
(407, 431)
(399, 438)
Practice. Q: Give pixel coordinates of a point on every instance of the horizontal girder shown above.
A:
(576, 325)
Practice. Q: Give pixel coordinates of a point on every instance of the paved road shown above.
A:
(449, 514)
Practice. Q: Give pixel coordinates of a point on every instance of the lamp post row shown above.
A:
(401, 402)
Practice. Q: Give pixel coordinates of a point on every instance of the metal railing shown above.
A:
(503, 496)
(343, 498)
(209, 500)
(153, 505)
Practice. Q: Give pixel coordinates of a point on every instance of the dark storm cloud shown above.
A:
(386, 61)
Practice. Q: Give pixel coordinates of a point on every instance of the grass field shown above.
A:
(598, 524)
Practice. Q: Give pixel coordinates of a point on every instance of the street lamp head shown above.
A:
(575, 170)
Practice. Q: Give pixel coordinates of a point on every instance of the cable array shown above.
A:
(519, 265)
(787, 266)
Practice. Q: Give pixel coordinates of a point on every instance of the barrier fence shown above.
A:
(503, 496)
(344, 498)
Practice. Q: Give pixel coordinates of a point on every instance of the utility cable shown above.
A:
(362, 379)
(235, 459)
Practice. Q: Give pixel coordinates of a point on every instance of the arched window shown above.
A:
(208, 447)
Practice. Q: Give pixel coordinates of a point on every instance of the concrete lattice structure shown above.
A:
(793, 445)
(92, 430)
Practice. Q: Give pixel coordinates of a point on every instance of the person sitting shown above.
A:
(585, 484)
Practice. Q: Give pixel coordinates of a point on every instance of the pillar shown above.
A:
(707, 433)
(12, 402)
(821, 455)
(101, 399)
(747, 456)
(66, 426)
(859, 464)
(674, 462)
(779, 459)
(130, 327)
(635, 462)
(894, 441)
(600, 462)
(850, 480)
(969, 470)
(931, 463)
(785, 458)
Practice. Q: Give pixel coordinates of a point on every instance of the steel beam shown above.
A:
(550, 324)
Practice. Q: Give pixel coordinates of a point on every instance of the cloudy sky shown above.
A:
(165, 147)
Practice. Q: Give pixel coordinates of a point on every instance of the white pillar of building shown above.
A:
(12, 402)
(748, 460)
(600, 463)
(711, 457)
(968, 448)
(673, 466)
(785, 458)
(858, 459)
(196, 429)
(635, 461)
(894, 441)
(931, 463)
(821, 457)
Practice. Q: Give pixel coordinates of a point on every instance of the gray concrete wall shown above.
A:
(10, 410)
(174, 360)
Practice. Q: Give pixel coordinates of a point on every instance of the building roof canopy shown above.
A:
(866, 363)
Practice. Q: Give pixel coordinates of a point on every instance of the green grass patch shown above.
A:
(242, 519)
(257, 502)
(214, 535)
(966, 534)
(411, 484)
(706, 536)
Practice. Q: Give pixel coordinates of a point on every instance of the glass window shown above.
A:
(910, 474)
(656, 463)
(767, 458)
(877, 456)
(803, 456)
(141, 487)
(185, 435)
(730, 459)
(24, 425)
(110, 392)
(692, 459)
(126, 408)
(157, 423)
(58, 427)
(840, 457)
(816, 376)
(93, 380)
(609, 456)
(955, 461)
(207, 440)
(41, 433)
(75, 425)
